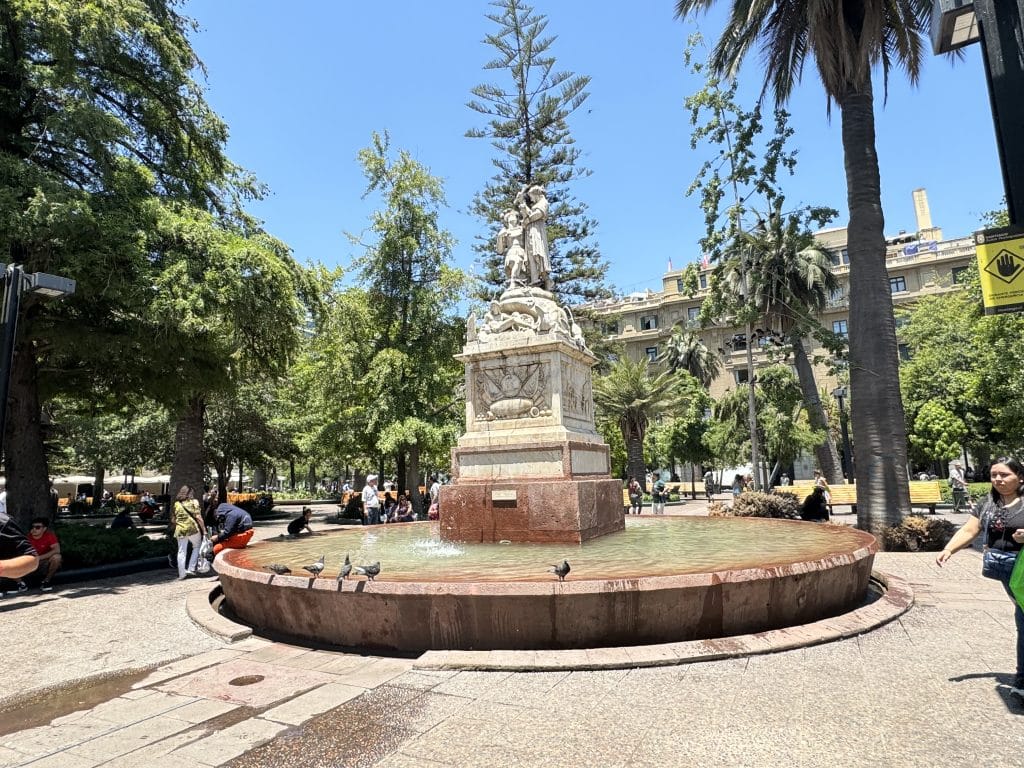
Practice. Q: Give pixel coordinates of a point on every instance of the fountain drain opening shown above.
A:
(246, 680)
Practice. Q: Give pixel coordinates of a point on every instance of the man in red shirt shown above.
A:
(47, 548)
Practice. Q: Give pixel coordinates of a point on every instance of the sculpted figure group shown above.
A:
(523, 240)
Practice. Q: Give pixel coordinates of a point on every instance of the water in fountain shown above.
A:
(648, 547)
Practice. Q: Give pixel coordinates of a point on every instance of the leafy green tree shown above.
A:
(528, 124)
(98, 114)
(632, 397)
(846, 42)
(412, 294)
(937, 433)
(229, 307)
(942, 334)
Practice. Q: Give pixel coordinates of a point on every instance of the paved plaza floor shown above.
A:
(114, 673)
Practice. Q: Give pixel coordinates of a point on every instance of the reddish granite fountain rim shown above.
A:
(225, 567)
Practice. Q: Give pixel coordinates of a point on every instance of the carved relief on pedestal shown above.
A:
(512, 392)
(577, 398)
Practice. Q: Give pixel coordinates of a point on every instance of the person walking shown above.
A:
(1000, 516)
(189, 529)
(709, 485)
(958, 484)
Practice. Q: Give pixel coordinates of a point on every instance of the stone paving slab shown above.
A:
(275, 683)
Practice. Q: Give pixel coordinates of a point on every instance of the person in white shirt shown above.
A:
(371, 504)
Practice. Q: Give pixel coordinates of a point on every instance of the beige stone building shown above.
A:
(919, 263)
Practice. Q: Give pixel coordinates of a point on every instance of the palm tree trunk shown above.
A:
(24, 453)
(826, 453)
(879, 431)
(187, 468)
(635, 458)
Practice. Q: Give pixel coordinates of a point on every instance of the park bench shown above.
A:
(923, 493)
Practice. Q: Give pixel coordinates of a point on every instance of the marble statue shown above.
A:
(510, 245)
(532, 203)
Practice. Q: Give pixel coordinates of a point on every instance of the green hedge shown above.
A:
(85, 546)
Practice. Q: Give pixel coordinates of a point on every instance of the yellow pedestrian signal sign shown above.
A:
(1001, 264)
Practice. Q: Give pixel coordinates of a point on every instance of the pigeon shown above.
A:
(346, 569)
(315, 568)
(279, 569)
(561, 570)
(369, 570)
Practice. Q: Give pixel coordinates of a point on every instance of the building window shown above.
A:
(648, 322)
(897, 284)
(839, 258)
(958, 274)
(611, 327)
(904, 351)
(703, 281)
(679, 285)
(839, 328)
(692, 313)
(741, 375)
(652, 354)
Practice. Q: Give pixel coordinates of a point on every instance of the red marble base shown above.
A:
(542, 511)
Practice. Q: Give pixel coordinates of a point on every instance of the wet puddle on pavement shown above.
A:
(43, 708)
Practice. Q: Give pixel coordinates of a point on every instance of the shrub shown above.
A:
(755, 504)
(85, 546)
(917, 533)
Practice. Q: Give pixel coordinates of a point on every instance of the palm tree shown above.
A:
(846, 40)
(685, 351)
(631, 396)
(789, 279)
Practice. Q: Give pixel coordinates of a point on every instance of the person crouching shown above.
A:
(235, 528)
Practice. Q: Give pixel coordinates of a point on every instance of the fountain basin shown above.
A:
(447, 605)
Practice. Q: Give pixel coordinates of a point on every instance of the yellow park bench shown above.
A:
(842, 495)
(923, 493)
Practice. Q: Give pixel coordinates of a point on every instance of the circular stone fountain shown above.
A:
(660, 580)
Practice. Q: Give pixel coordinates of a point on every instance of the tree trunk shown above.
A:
(187, 468)
(826, 453)
(400, 467)
(98, 475)
(635, 458)
(25, 456)
(412, 479)
(240, 486)
(879, 431)
(291, 472)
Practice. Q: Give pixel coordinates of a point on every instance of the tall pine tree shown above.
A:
(527, 122)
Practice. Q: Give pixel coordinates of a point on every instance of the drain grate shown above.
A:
(246, 680)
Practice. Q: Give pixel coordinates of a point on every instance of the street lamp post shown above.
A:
(839, 393)
(16, 282)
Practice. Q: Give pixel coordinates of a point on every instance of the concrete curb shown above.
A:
(894, 602)
(201, 608)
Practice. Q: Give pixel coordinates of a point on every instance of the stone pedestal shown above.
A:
(530, 466)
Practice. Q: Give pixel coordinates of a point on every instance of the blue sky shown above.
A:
(303, 85)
